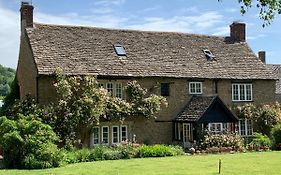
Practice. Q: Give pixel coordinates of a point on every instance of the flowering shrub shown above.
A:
(276, 135)
(222, 140)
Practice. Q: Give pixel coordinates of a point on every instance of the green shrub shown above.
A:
(28, 143)
(98, 153)
(83, 155)
(127, 151)
(276, 135)
(259, 141)
(159, 151)
(112, 154)
(69, 157)
(223, 140)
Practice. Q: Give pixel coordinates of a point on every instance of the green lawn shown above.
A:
(241, 164)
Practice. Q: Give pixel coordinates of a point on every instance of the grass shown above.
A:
(258, 163)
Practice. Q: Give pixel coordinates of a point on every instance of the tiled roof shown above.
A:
(276, 70)
(89, 50)
(195, 108)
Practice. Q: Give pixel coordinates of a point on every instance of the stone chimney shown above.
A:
(262, 56)
(26, 12)
(238, 31)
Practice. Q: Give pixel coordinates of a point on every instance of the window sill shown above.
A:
(248, 101)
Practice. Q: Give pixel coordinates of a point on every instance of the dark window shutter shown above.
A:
(165, 89)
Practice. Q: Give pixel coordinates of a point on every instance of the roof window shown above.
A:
(210, 56)
(119, 49)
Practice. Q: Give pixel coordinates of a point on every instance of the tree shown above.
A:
(28, 143)
(6, 77)
(268, 9)
(265, 116)
(81, 104)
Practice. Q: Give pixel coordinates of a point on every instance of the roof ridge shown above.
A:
(127, 30)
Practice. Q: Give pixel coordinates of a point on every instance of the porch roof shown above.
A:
(206, 109)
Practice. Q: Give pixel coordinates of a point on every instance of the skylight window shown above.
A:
(119, 49)
(210, 56)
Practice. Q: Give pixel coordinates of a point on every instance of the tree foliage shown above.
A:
(7, 75)
(268, 9)
(144, 104)
(11, 98)
(265, 116)
(82, 104)
(28, 143)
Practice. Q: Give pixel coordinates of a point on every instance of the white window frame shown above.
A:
(215, 132)
(118, 86)
(195, 83)
(244, 85)
(93, 135)
(111, 89)
(246, 123)
(112, 134)
(103, 133)
(121, 132)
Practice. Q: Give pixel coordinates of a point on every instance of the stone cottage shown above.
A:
(201, 76)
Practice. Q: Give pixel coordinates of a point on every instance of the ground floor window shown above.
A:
(105, 135)
(245, 127)
(109, 134)
(218, 128)
(96, 135)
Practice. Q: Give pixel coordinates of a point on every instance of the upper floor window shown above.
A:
(165, 89)
(119, 49)
(115, 89)
(195, 88)
(241, 92)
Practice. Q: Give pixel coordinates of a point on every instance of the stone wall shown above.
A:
(161, 129)
(26, 70)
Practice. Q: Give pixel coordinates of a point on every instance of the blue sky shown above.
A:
(202, 17)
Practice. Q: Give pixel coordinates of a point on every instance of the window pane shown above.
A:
(109, 87)
(242, 127)
(192, 88)
(235, 92)
(105, 134)
(96, 135)
(115, 134)
(118, 90)
(165, 89)
(198, 88)
(249, 127)
(248, 92)
(101, 85)
(124, 133)
(195, 88)
(242, 92)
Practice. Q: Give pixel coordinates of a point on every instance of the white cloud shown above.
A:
(205, 23)
(231, 10)
(256, 37)
(221, 31)
(109, 2)
(190, 10)
(9, 37)
(149, 9)
(198, 24)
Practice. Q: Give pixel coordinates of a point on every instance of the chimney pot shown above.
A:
(262, 56)
(26, 14)
(238, 31)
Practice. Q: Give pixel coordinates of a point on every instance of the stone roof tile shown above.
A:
(89, 50)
